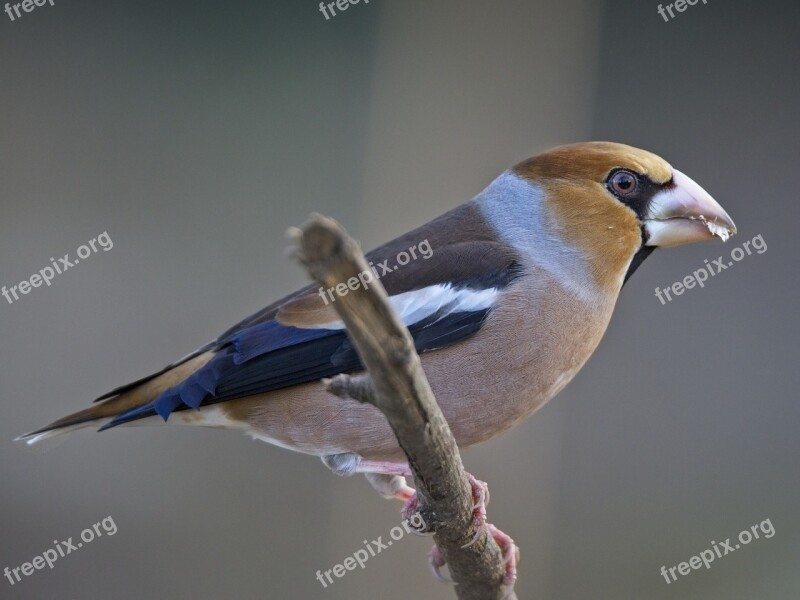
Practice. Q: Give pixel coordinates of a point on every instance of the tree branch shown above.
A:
(397, 386)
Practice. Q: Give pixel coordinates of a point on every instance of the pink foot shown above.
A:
(510, 555)
(389, 480)
(436, 562)
(510, 551)
(480, 498)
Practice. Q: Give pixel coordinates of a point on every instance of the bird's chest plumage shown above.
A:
(531, 346)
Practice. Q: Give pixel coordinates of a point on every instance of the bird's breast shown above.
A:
(532, 344)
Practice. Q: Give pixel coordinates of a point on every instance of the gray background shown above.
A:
(195, 133)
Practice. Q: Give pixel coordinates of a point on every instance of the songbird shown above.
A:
(510, 302)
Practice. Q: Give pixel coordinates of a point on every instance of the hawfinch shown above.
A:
(506, 297)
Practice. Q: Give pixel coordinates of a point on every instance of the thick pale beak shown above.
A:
(685, 213)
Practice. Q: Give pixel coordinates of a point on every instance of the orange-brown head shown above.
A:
(615, 203)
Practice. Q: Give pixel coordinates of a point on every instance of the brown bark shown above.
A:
(396, 384)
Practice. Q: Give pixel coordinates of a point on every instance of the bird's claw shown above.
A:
(510, 553)
(436, 561)
(480, 498)
(509, 550)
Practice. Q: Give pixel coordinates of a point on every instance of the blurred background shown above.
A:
(195, 133)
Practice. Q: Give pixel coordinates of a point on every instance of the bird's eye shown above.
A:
(624, 183)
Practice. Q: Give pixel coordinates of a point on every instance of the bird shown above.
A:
(506, 297)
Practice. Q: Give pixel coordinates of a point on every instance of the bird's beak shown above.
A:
(685, 213)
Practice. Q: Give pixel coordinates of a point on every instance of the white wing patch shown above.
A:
(414, 306)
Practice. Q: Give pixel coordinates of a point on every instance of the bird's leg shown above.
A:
(389, 479)
(391, 486)
(480, 499)
(383, 467)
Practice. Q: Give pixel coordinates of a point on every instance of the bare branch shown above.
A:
(397, 386)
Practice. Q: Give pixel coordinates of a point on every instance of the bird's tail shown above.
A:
(122, 400)
(98, 414)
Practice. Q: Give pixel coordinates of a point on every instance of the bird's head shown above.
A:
(617, 203)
